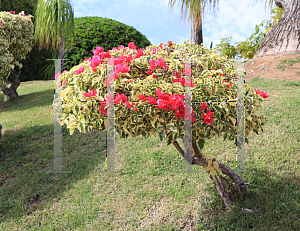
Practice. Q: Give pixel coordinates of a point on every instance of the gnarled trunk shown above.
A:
(11, 92)
(284, 38)
(238, 185)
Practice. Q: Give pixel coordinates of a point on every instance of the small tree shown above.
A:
(142, 84)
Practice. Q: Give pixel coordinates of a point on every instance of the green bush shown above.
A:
(35, 58)
(92, 32)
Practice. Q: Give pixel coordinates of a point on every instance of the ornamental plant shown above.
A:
(16, 36)
(150, 88)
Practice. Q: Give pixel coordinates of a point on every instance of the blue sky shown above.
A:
(152, 18)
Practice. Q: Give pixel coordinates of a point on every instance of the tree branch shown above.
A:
(187, 157)
(200, 160)
(134, 66)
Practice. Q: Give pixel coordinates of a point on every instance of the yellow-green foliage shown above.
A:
(16, 37)
(150, 119)
(248, 48)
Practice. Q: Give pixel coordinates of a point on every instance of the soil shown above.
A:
(284, 67)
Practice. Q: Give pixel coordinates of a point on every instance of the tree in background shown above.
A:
(30, 8)
(283, 38)
(55, 22)
(33, 58)
(196, 7)
(54, 19)
(247, 49)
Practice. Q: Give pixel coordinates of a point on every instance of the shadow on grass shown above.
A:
(275, 205)
(27, 155)
(38, 99)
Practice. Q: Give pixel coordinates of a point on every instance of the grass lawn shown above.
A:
(150, 195)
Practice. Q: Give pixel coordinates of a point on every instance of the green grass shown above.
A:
(150, 194)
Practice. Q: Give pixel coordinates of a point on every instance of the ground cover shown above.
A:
(150, 195)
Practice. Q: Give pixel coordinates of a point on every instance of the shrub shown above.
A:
(96, 31)
(150, 102)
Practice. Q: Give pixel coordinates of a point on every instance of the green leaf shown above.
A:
(123, 135)
(145, 134)
(160, 128)
(124, 112)
(225, 136)
(233, 131)
(162, 135)
(175, 136)
(198, 125)
(217, 131)
(81, 126)
(119, 131)
(201, 143)
(169, 139)
(132, 125)
(193, 133)
(207, 135)
(251, 108)
(218, 109)
(172, 128)
(76, 109)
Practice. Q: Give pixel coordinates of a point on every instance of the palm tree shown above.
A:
(274, 39)
(55, 22)
(196, 7)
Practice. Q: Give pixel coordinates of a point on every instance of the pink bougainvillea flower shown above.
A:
(91, 93)
(161, 63)
(131, 45)
(81, 70)
(98, 51)
(264, 94)
(208, 117)
(203, 106)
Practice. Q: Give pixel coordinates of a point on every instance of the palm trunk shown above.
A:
(284, 37)
(196, 32)
(61, 54)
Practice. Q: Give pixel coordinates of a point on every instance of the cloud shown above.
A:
(155, 20)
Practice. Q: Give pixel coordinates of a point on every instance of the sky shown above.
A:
(154, 19)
